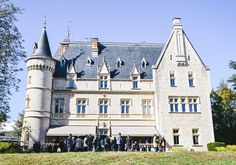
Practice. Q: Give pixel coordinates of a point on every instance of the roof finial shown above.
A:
(45, 21)
(68, 29)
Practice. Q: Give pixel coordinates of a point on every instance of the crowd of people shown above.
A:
(91, 143)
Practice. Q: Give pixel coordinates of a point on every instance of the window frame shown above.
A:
(59, 106)
(176, 135)
(103, 107)
(81, 105)
(125, 105)
(146, 107)
(103, 82)
(195, 136)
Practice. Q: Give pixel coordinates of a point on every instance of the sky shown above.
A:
(209, 24)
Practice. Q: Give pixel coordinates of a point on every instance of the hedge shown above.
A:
(212, 146)
(231, 147)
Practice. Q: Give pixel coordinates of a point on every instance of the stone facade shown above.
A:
(137, 89)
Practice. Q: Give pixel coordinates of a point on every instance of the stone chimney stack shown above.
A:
(95, 47)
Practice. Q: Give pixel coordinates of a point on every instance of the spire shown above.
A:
(43, 48)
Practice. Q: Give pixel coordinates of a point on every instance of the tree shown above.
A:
(223, 102)
(232, 79)
(11, 53)
(18, 126)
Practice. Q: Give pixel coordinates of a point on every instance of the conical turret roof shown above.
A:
(42, 47)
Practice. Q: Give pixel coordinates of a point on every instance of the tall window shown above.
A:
(103, 106)
(183, 104)
(173, 101)
(125, 103)
(192, 104)
(135, 82)
(59, 105)
(195, 136)
(103, 82)
(81, 105)
(176, 136)
(71, 83)
(146, 107)
(172, 79)
(190, 79)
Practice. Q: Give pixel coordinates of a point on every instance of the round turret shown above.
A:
(41, 67)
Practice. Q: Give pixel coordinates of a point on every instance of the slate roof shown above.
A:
(129, 53)
(42, 47)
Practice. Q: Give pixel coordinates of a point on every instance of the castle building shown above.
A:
(106, 88)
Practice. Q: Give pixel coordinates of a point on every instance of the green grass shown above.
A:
(121, 158)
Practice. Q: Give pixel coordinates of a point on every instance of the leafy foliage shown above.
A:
(18, 126)
(231, 147)
(212, 146)
(232, 79)
(11, 53)
(223, 102)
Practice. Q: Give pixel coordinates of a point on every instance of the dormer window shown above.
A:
(71, 83)
(144, 63)
(89, 62)
(119, 63)
(103, 82)
(135, 82)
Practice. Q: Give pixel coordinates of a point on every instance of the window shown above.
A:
(119, 63)
(89, 62)
(103, 106)
(71, 83)
(144, 63)
(195, 136)
(103, 131)
(146, 107)
(192, 104)
(172, 79)
(27, 102)
(59, 105)
(190, 79)
(171, 57)
(173, 101)
(29, 80)
(183, 104)
(125, 103)
(135, 82)
(81, 105)
(104, 82)
(176, 136)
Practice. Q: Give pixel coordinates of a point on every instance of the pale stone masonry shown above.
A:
(106, 88)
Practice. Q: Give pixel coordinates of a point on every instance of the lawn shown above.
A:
(120, 158)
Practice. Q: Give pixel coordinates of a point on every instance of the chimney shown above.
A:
(94, 47)
(177, 23)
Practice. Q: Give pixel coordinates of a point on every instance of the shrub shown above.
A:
(4, 146)
(9, 147)
(212, 146)
(220, 149)
(231, 147)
